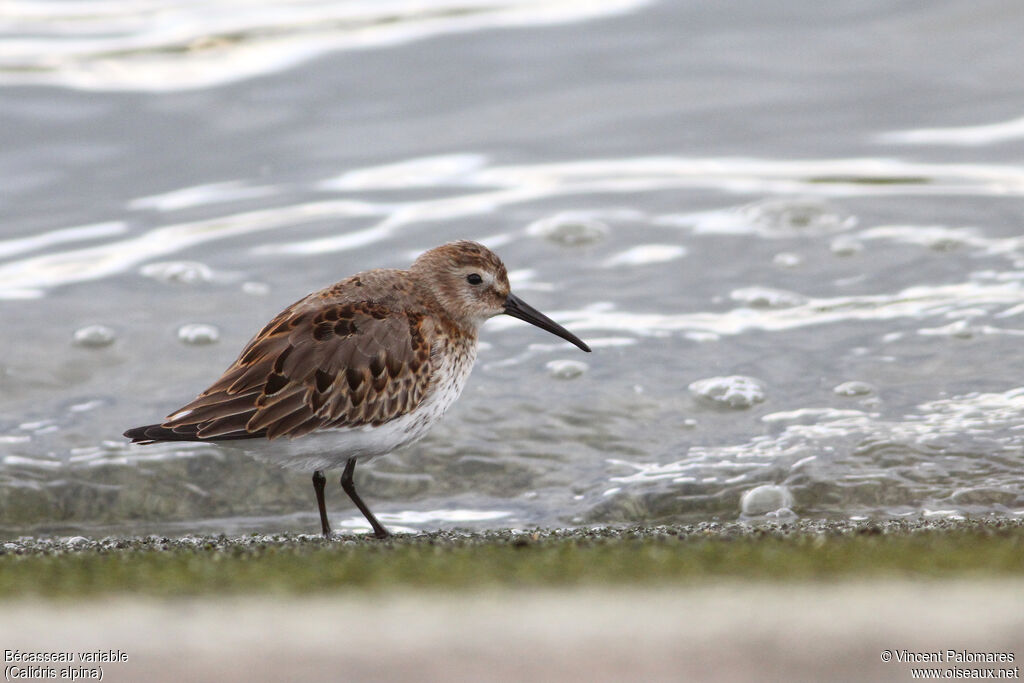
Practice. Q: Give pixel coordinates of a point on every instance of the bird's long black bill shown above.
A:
(517, 308)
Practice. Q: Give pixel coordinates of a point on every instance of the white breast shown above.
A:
(331, 448)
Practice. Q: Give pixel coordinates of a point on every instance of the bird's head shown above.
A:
(471, 284)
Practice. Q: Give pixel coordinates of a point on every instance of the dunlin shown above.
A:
(355, 370)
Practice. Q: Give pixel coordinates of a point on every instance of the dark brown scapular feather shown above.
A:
(289, 381)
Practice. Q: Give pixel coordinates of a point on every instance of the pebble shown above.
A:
(702, 530)
(728, 530)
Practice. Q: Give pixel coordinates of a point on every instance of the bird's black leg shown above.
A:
(350, 488)
(318, 485)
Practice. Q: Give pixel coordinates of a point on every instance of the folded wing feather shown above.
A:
(335, 365)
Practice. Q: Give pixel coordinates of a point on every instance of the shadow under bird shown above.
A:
(356, 370)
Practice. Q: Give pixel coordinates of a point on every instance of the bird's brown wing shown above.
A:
(336, 365)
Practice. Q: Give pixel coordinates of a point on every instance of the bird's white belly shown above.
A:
(331, 448)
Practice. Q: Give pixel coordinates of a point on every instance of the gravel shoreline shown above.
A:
(30, 545)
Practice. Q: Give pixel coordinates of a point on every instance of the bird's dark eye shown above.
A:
(474, 279)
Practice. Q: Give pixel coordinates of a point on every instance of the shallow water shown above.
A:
(791, 235)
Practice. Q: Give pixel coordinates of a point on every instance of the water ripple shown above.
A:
(491, 188)
(171, 45)
(851, 461)
(32, 276)
(961, 136)
(914, 303)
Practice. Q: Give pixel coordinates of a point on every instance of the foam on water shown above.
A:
(858, 461)
(734, 391)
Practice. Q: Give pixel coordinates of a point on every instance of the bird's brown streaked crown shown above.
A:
(445, 272)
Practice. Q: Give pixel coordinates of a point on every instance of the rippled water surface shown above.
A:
(791, 233)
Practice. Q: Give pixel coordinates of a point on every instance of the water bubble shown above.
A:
(569, 229)
(183, 272)
(765, 297)
(844, 246)
(853, 388)
(645, 254)
(960, 329)
(84, 406)
(198, 333)
(94, 336)
(566, 369)
(787, 259)
(946, 243)
(785, 217)
(256, 288)
(765, 499)
(735, 391)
